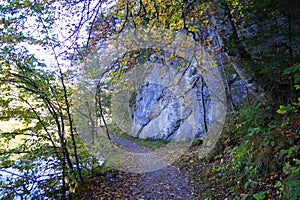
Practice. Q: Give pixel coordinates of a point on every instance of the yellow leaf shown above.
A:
(192, 28)
(281, 110)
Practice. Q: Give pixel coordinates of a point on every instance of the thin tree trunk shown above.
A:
(99, 105)
(203, 105)
(67, 103)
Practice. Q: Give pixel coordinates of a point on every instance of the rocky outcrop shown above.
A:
(172, 99)
(168, 105)
(174, 103)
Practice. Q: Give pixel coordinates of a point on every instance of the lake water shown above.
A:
(33, 180)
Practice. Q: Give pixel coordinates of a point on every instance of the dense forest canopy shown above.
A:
(54, 55)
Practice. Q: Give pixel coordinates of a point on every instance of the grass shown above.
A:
(150, 143)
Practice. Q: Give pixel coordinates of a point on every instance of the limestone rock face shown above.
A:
(175, 103)
(170, 100)
(168, 105)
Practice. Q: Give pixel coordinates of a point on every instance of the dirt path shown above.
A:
(166, 183)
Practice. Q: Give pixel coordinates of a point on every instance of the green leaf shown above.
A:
(278, 184)
(281, 111)
(296, 78)
(284, 109)
(272, 143)
(291, 70)
(259, 196)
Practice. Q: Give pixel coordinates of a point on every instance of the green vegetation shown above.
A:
(267, 151)
(147, 142)
(257, 156)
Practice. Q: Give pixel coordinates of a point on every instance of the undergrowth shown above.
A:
(257, 157)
